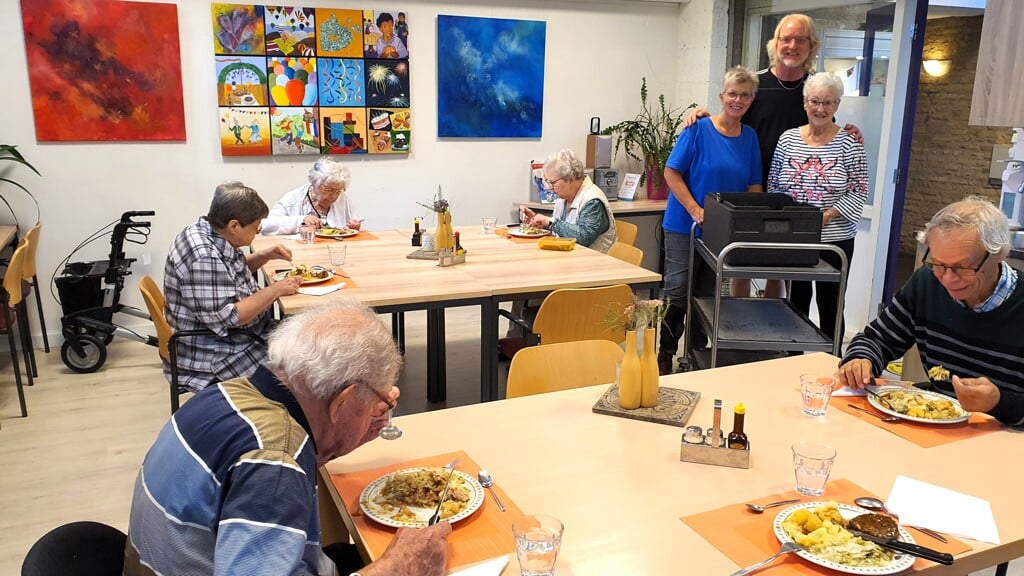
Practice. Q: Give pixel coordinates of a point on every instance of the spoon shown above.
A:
(879, 416)
(487, 482)
(759, 509)
(876, 504)
(390, 432)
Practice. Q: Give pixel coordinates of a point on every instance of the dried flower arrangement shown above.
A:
(639, 314)
(439, 205)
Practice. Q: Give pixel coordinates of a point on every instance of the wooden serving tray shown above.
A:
(674, 406)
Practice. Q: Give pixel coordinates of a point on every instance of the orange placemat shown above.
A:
(924, 435)
(747, 538)
(357, 238)
(339, 276)
(486, 534)
(503, 232)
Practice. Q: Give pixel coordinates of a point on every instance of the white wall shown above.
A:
(596, 54)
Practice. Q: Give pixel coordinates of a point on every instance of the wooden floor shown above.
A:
(77, 454)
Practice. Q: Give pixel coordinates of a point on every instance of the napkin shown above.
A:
(921, 504)
(488, 568)
(321, 290)
(847, 391)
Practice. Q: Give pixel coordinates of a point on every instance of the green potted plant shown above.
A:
(648, 138)
(8, 152)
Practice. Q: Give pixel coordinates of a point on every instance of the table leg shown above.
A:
(436, 373)
(398, 330)
(489, 350)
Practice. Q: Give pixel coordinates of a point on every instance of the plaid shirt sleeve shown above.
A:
(211, 292)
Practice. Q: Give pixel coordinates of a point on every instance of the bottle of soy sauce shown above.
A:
(458, 245)
(737, 438)
(417, 234)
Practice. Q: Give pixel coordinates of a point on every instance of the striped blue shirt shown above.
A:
(229, 487)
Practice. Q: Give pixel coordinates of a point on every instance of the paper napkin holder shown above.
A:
(450, 258)
(705, 454)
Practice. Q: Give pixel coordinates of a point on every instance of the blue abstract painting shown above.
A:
(490, 77)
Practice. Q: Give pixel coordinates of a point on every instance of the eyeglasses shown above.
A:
(551, 183)
(798, 40)
(940, 269)
(383, 397)
(814, 103)
(741, 96)
(259, 228)
(332, 191)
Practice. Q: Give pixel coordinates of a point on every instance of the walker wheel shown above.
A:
(95, 354)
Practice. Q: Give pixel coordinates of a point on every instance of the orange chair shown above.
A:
(626, 253)
(12, 306)
(580, 363)
(29, 274)
(626, 232)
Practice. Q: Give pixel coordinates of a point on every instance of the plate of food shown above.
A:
(820, 528)
(310, 274)
(328, 232)
(916, 405)
(525, 231)
(408, 498)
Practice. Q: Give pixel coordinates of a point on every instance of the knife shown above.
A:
(907, 547)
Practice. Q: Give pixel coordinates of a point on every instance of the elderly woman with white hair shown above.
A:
(581, 211)
(825, 166)
(321, 202)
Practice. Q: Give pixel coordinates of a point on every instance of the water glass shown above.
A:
(816, 391)
(489, 224)
(538, 538)
(812, 463)
(307, 234)
(338, 254)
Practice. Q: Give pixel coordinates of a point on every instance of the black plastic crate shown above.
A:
(81, 286)
(757, 217)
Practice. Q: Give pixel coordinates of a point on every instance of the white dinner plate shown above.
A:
(899, 562)
(519, 233)
(344, 233)
(330, 274)
(376, 506)
(882, 390)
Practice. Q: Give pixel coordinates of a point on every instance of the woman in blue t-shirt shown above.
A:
(716, 154)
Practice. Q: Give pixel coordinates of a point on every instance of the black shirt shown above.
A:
(778, 107)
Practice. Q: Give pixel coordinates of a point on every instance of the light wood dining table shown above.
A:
(8, 236)
(620, 488)
(496, 270)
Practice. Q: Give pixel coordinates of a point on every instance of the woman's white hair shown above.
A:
(326, 349)
(564, 164)
(328, 171)
(739, 76)
(826, 80)
(973, 213)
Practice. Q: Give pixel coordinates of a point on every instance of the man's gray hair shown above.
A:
(824, 80)
(973, 213)
(328, 348)
(328, 171)
(738, 76)
(564, 164)
(236, 201)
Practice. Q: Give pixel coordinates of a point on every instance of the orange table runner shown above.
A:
(924, 435)
(485, 534)
(747, 538)
(357, 238)
(339, 276)
(503, 232)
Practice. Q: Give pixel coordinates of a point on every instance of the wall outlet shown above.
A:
(147, 258)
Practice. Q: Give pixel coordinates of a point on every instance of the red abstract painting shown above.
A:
(104, 70)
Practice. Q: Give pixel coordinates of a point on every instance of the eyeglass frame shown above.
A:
(738, 96)
(380, 395)
(551, 183)
(826, 104)
(958, 271)
(798, 40)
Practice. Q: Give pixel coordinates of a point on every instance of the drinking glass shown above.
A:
(489, 224)
(338, 254)
(812, 463)
(307, 234)
(816, 391)
(538, 538)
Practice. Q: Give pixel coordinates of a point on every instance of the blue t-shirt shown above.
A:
(711, 162)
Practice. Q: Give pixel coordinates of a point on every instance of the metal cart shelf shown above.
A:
(758, 324)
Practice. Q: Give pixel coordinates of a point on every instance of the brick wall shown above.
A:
(949, 159)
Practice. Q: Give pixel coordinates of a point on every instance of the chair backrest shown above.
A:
(627, 253)
(77, 549)
(32, 237)
(582, 314)
(626, 232)
(155, 304)
(580, 363)
(14, 274)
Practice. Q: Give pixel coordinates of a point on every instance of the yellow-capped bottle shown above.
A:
(737, 438)
(417, 234)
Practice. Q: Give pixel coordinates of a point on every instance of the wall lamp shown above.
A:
(936, 68)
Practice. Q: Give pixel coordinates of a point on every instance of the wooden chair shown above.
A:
(29, 271)
(580, 363)
(626, 253)
(573, 314)
(626, 232)
(167, 338)
(12, 306)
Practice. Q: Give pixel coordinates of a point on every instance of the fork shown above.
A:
(881, 399)
(786, 549)
(436, 517)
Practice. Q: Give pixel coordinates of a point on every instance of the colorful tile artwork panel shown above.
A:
(104, 70)
(306, 80)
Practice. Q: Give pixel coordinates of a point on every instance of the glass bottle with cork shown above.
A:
(737, 438)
